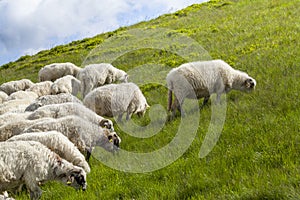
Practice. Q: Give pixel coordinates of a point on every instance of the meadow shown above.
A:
(257, 153)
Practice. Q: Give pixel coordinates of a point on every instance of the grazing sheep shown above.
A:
(57, 70)
(66, 84)
(115, 99)
(32, 163)
(201, 79)
(14, 86)
(22, 95)
(3, 96)
(17, 105)
(82, 133)
(66, 109)
(42, 88)
(13, 117)
(52, 99)
(17, 127)
(58, 143)
(96, 75)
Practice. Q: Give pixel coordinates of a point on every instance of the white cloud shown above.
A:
(31, 25)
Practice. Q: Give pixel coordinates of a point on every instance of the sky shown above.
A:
(29, 26)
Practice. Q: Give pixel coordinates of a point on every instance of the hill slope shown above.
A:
(257, 155)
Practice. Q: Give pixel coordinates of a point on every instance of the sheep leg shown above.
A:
(35, 190)
(127, 116)
(119, 117)
(205, 101)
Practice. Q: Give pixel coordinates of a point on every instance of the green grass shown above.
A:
(257, 155)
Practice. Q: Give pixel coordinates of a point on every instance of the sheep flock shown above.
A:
(49, 129)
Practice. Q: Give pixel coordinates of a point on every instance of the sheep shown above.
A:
(17, 127)
(58, 143)
(52, 99)
(22, 95)
(54, 71)
(83, 134)
(66, 84)
(13, 117)
(14, 86)
(96, 75)
(17, 105)
(32, 163)
(3, 96)
(115, 99)
(65, 109)
(197, 80)
(42, 88)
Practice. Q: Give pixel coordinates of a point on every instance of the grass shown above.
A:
(257, 154)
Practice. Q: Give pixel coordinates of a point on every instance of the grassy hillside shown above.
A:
(257, 154)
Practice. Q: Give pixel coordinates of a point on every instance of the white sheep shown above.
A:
(201, 79)
(69, 108)
(96, 75)
(22, 95)
(17, 127)
(52, 99)
(41, 88)
(13, 117)
(54, 71)
(32, 163)
(3, 96)
(58, 143)
(17, 105)
(14, 86)
(116, 99)
(66, 84)
(83, 134)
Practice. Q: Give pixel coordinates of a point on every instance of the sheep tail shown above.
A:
(170, 97)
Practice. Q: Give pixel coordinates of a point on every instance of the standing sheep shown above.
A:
(66, 109)
(58, 143)
(66, 84)
(14, 86)
(42, 88)
(116, 99)
(83, 134)
(32, 163)
(3, 96)
(57, 70)
(52, 99)
(201, 79)
(96, 75)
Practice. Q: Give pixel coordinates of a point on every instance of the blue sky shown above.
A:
(29, 26)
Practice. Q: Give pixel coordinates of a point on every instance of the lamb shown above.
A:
(17, 127)
(14, 86)
(66, 109)
(3, 96)
(32, 163)
(96, 75)
(115, 99)
(13, 117)
(54, 71)
(52, 99)
(58, 143)
(83, 134)
(66, 84)
(22, 95)
(201, 79)
(42, 88)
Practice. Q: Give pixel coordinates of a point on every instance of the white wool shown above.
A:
(22, 95)
(116, 99)
(58, 143)
(201, 79)
(17, 105)
(14, 86)
(69, 108)
(66, 84)
(96, 75)
(52, 99)
(12, 117)
(54, 71)
(42, 88)
(3, 96)
(32, 163)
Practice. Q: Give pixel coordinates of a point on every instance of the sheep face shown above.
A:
(111, 141)
(248, 85)
(105, 123)
(142, 110)
(114, 139)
